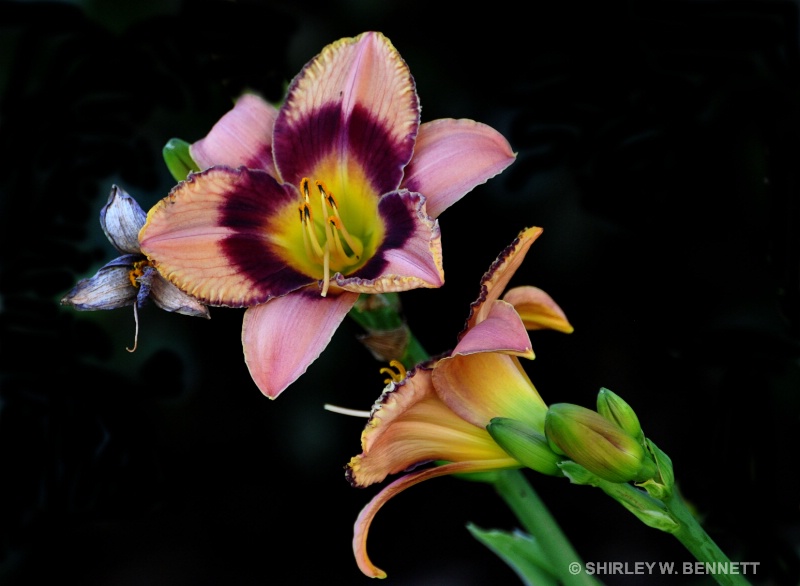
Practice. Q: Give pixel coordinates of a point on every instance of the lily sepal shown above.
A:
(525, 444)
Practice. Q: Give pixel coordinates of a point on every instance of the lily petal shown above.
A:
(479, 387)
(282, 337)
(109, 288)
(501, 331)
(367, 514)
(243, 136)
(410, 255)
(537, 309)
(212, 236)
(121, 219)
(410, 425)
(452, 157)
(169, 298)
(355, 103)
(494, 281)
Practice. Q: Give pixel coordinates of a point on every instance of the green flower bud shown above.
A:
(525, 444)
(599, 445)
(612, 407)
(178, 159)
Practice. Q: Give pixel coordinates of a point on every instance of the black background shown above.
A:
(658, 145)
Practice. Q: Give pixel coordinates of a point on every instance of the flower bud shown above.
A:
(599, 445)
(178, 158)
(612, 407)
(525, 444)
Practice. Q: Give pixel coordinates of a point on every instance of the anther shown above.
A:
(137, 271)
(395, 377)
(309, 234)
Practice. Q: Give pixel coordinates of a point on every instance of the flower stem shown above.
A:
(531, 511)
(671, 515)
(387, 337)
(692, 535)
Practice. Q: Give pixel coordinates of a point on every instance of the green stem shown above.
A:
(672, 516)
(388, 336)
(692, 535)
(531, 511)
(414, 353)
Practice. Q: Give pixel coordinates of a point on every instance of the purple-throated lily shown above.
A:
(129, 279)
(301, 209)
(440, 413)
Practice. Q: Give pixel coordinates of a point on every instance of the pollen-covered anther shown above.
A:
(137, 271)
(394, 377)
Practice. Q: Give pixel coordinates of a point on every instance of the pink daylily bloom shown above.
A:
(334, 194)
(440, 412)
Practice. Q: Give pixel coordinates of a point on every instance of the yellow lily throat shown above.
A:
(339, 248)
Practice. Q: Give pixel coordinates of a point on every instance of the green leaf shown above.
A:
(521, 552)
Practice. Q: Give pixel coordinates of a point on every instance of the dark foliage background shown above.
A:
(658, 146)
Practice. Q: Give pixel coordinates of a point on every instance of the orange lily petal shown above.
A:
(481, 386)
(494, 281)
(537, 309)
(410, 425)
(367, 514)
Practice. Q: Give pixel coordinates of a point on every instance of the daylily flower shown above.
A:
(301, 209)
(440, 412)
(129, 279)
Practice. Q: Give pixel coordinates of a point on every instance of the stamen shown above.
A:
(306, 243)
(326, 270)
(396, 377)
(330, 250)
(339, 249)
(309, 228)
(346, 411)
(354, 246)
(323, 198)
